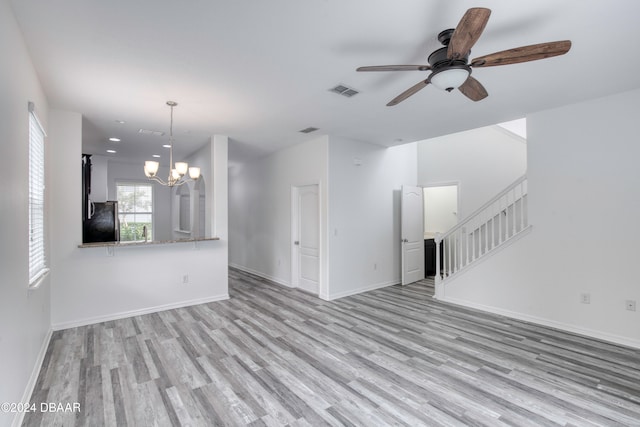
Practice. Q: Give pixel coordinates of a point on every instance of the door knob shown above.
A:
(405, 240)
(296, 243)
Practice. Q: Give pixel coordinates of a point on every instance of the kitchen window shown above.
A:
(135, 211)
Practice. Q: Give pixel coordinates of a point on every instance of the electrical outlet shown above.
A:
(630, 305)
(585, 298)
(185, 278)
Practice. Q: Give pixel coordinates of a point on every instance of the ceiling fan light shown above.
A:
(449, 79)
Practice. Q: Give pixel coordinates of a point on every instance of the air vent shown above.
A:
(151, 132)
(308, 130)
(344, 91)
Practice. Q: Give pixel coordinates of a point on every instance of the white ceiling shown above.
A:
(259, 71)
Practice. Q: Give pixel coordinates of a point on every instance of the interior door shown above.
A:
(412, 234)
(306, 238)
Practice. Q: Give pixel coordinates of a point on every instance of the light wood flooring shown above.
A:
(272, 356)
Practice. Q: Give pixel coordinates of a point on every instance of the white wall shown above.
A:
(90, 286)
(24, 315)
(360, 228)
(482, 161)
(202, 159)
(364, 213)
(260, 209)
(583, 205)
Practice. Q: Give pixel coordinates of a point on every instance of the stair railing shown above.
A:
(492, 225)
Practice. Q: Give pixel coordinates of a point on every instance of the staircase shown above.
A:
(496, 223)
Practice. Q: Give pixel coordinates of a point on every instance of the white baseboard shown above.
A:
(132, 313)
(261, 274)
(35, 372)
(361, 290)
(615, 339)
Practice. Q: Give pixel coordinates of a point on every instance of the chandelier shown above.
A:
(178, 170)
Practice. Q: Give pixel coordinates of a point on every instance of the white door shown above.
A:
(412, 234)
(306, 238)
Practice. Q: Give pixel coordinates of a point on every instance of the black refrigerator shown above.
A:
(101, 223)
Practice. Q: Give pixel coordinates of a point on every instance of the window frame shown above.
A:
(152, 212)
(37, 206)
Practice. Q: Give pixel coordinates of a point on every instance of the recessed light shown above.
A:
(166, 146)
(111, 151)
(156, 155)
(120, 122)
(114, 139)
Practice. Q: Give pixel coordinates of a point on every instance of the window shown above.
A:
(135, 211)
(37, 256)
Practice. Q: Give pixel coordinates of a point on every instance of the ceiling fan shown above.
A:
(450, 67)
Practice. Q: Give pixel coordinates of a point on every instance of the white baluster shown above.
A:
(452, 254)
(439, 287)
(474, 242)
(448, 250)
(445, 257)
(468, 247)
(522, 207)
(486, 232)
(455, 251)
(458, 250)
(500, 220)
(493, 224)
(513, 214)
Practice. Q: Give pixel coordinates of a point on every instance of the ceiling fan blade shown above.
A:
(407, 93)
(523, 54)
(395, 68)
(473, 89)
(468, 32)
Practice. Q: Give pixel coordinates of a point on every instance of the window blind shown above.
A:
(37, 254)
(135, 210)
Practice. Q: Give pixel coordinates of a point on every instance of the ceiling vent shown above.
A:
(308, 130)
(344, 91)
(150, 132)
